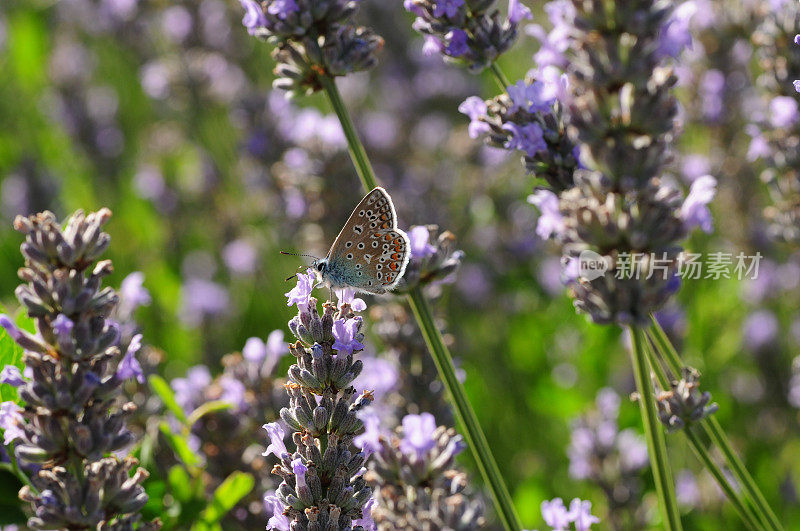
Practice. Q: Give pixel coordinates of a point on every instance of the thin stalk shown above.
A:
(655, 433)
(354, 145)
(23, 477)
(464, 412)
(705, 457)
(501, 78)
(712, 428)
(742, 507)
(433, 338)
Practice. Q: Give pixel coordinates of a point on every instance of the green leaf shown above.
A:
(10, 354)
(180, 483)
(10, 505)
(160, 386)
(234, 488)
(205, 409)
(179, 445)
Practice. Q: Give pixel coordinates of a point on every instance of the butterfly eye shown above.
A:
(321, 267)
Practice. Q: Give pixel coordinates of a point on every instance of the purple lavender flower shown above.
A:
(550, 221)
(189, 390)
(11, 421)
(10, 328)
(11, 375)
(694, 166)
(760, 329)
(420, 246)
(531, 97)
(528, 138)
(369, 440)
(418, 434)
(580, 512)
(456, 40)
(432, 45)
(276, 433)
(348, 296)
(129, 367)
(282, 8)
(345, 333)
(759, 145)
(233, 392)
(553, 45)
(255, 350)
(695, 212)
(62, 325)
(447, 8)
(254, 18)
(783, 112)
(366, 520)
(201, 298)
(412, 7)
(676, 35)
(517, 12)
(133, 292)
(475, 109)
(300, 471)
(300, 294)
(555, 514)
(240, 256)
(277, 522)
(796, 84)
(379, 376)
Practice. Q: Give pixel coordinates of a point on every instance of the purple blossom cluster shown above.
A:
(775, 132)
(560, 518)
(611, 458)
(313, 38)
(322, 485)
(604, 195)
(471, 33)
(68, 418)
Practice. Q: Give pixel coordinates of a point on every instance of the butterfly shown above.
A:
(370, 254)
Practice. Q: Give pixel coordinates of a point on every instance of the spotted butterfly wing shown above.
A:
(371, 253)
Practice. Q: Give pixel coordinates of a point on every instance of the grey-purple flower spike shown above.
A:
(684, 404)
(417, 483)
(72, 417)
(322, 484)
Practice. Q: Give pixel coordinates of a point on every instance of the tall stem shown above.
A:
(433, 338)
(745, 511)
(501, 78)
(464, 412)
(655, 434)
(712, 428)
(354, 145)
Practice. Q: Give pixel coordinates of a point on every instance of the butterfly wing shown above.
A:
(370, 253)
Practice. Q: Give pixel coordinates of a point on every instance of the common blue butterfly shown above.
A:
(370, 254)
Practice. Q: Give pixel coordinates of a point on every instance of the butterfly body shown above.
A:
(371, 253)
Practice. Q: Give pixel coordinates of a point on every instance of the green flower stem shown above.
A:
(745, 511)
(12, 457)
(657, 448)
(354, 145)
(702, 453)
(501, 78)
(433, 338)
(466, 416)
(713, 430)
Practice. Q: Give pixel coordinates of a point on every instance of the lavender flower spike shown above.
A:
(76, 357)
(417, 483)
(321, 489)
(313, 38)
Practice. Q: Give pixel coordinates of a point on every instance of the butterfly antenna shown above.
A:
(298, 254)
